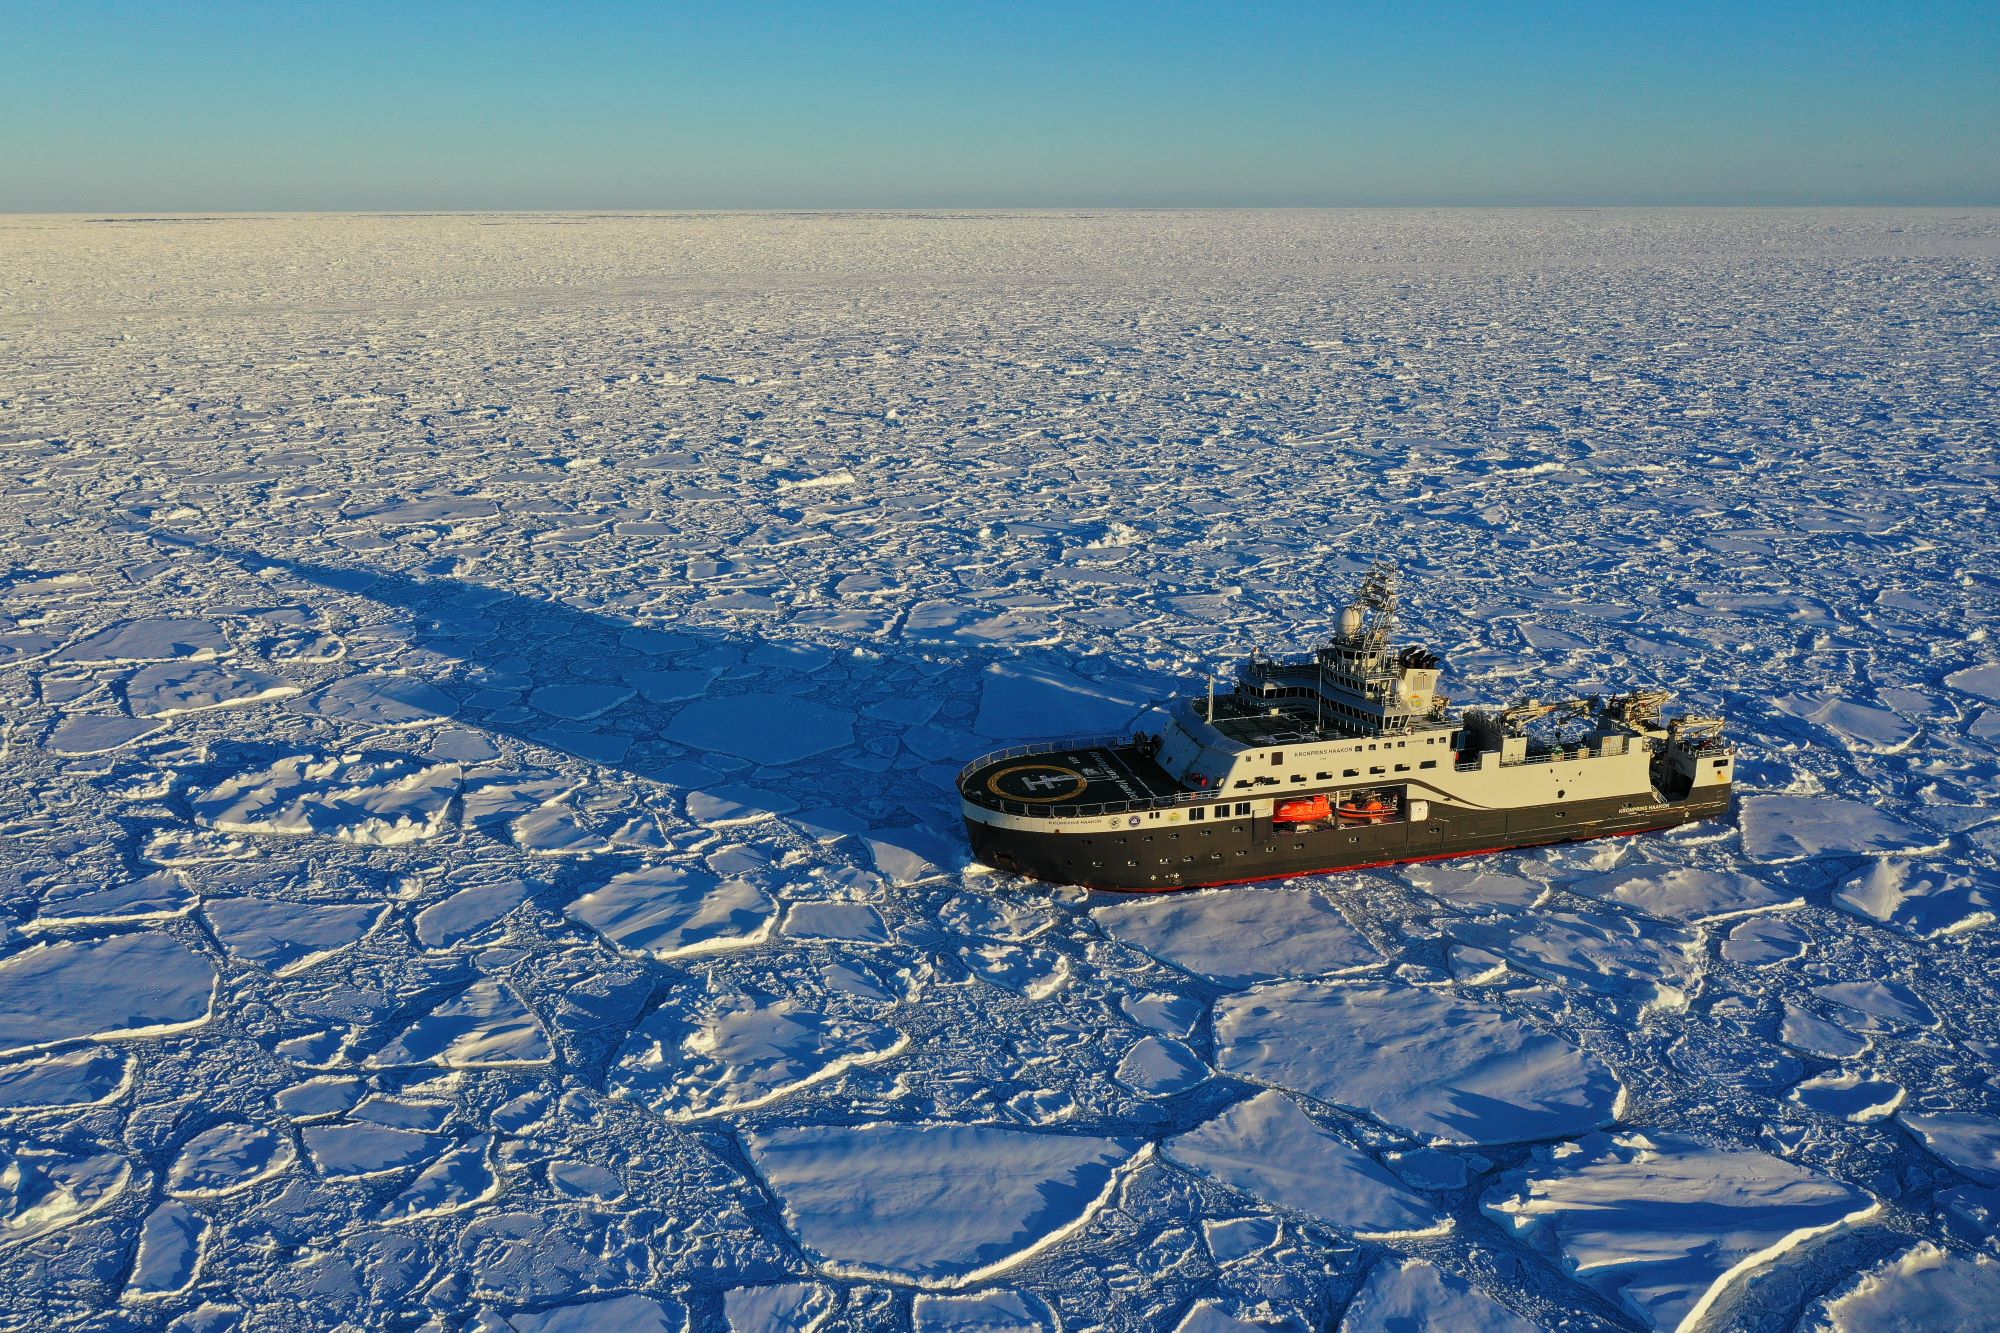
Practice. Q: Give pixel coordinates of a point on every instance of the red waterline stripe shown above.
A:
(1376, 865)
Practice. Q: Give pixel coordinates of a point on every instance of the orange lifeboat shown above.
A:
(1369, 809)
(1302, 810)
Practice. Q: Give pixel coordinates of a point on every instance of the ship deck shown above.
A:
(1054, 782)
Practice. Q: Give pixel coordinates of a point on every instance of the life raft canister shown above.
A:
(1304, 810)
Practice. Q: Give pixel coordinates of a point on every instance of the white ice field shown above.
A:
(479, 699)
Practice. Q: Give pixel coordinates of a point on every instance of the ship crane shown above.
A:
(1520, 713)
(1639, 710)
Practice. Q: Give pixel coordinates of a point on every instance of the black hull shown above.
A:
(1161, 860)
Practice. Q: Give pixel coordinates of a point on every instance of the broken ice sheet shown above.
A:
(930, 1202)
(1924, 899)
(485, 1026)
(734, 1049)
(1925, 1289)
(1243, 935)
(1778, 829)
(1445, 1070)
(227, 1158)
(141, 984)
(375, 798)
(283, 937)
(1408, 1295)
(1666, 1225)
(1611, 954)
(669, 911)
(171, 689)
(1268, 1147)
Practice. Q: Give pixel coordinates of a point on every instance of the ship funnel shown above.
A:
(1350, 622)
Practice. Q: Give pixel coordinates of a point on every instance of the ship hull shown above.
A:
(1162, 862)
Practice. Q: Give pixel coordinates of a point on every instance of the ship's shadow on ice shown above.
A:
(858, 738)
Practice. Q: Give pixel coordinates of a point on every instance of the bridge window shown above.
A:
(1277, 759)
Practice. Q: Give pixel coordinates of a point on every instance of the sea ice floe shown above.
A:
(1850, 1096)
(154, 897)
(1922, 899)
(937, 1204)
(1980, 681)
(169, 1253)
(1609, 953)
(46, 1188)
(1967, 1140)
(284, 937)
(1925, 1289)
(74, 1079)
(83, 734)
(1683, 893)
(630, 1313)
(1443, 1069)
(1765, 942)
(739, 1050)
(380, 700)
(170, 689)
(374, 799)
(135, 985)
(1777, 829)
(1807, 1031)
(1665, 1225)
(162, 639)
(469, 912)
(979, 1312)
(853, 923)
(764, 728)
(733, 803)
(227, 1158)
(1859, 726)
(356, 1149)
(1411, 1296)
(670, 911)
(1875, 1006)
(462, 1178)
(1268, 1147)
(1018, 700)
(785, 1307)
(1241, 936)
(1159, 1066)
(1025, 969)
(486, 1026)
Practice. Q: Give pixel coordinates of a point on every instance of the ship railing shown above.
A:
(1062, 810)
(1063, 745)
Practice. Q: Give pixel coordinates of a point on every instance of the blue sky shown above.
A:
(509, 104)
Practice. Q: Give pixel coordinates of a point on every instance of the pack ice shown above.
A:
(481, 698)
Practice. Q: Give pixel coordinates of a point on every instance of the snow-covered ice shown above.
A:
(139, 984)
(1236, 937)
(1410, 1294)
(1670, 1226)
(1268, 1147)
(482, 696)
(1442, 1069)
(935, 1203)
(1926, 1289)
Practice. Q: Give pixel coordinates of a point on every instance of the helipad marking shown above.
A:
(1050, 776)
